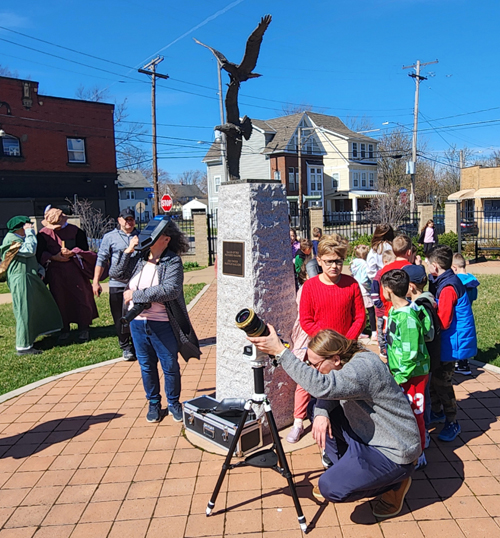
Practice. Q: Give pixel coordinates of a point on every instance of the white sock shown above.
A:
(298, 423)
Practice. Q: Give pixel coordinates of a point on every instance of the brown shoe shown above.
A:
(317, 494)
(391, 502)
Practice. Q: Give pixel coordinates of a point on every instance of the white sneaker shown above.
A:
(295, 434)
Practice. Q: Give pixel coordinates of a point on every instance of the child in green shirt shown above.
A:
(407, 353)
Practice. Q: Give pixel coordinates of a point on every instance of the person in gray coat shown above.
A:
(156, 282)
(362, 419)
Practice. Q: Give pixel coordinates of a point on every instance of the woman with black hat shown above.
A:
(35, 310)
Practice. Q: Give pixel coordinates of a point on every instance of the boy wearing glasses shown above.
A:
(332, 300)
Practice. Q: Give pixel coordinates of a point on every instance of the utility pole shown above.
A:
(417, 78)
(150, 69)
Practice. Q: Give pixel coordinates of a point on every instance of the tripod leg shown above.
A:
(227, 461)
(284, 464)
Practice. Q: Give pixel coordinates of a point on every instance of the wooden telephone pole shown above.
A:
(150, 69)
(418, 77)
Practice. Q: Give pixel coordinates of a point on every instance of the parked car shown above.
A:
(408, 228)
(469, 227)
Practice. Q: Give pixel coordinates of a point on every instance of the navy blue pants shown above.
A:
(358, 470)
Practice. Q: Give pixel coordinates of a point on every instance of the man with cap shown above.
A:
(112, 244)
(35, 310)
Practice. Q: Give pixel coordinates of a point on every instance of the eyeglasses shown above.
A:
(329, 263)
(316, 366)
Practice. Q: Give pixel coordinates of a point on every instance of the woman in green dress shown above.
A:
(35, 310)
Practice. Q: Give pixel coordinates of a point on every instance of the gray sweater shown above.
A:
(373, 403)
(113, 243)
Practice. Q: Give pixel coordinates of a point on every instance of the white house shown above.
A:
(193, 204)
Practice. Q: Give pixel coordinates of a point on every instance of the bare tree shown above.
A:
(394, 149)
(359, 124)
(193, 177)
(92, 221)
(129, 136)
(6, 72)
(389, 209)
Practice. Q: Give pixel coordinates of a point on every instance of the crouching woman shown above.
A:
(362, 420)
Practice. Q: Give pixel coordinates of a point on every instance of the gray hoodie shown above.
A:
(373, 403)
(112, 244)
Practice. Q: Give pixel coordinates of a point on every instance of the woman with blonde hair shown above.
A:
(363, 420)
(381, 241)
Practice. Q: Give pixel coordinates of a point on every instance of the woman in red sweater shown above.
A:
(329, 300)
(332, 300)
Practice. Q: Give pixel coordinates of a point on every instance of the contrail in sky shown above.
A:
(207, 20)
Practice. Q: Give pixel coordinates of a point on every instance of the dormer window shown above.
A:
(354, 150)
(10, 146)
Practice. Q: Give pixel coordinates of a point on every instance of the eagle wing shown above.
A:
(253, 46)
(222, 59)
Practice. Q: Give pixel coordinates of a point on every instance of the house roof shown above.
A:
(132, 179)
(179, 191)
(214, 153)
(334, 125)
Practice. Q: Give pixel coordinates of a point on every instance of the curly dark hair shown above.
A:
(178, 241)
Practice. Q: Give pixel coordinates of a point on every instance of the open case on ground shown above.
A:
(221, 430)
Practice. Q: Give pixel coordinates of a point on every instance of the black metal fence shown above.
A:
(212, 227)
(480, 232)
(299, 221)
(351, 227)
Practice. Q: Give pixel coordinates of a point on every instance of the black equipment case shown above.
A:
(221, 430)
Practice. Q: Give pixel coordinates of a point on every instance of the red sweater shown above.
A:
(397, 264)
(339, 307)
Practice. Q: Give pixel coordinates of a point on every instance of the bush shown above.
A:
(189, 266)
(420, 248)
(358, 239)
(450, 239)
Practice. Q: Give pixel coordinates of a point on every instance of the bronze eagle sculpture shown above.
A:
(234, 128)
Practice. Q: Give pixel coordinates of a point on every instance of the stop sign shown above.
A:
(166, 202)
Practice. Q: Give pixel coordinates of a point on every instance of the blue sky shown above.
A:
(342, 57)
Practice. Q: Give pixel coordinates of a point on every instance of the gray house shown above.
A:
(133, 188)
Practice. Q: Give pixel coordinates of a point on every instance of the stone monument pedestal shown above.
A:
(255, 270)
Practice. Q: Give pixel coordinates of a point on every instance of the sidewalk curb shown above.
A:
(45, 380)
(487, 366)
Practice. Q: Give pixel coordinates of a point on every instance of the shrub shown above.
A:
(358, 239)
(450, 239)
(188, 266)
(420, 248)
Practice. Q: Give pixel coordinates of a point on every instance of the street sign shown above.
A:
(140, 207)
(166, 202)
(402, 190)
(151, 194)
(149, 189)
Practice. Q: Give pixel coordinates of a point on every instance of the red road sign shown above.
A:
(166, 202)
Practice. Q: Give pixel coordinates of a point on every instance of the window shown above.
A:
(315, 180)
(354, 150)
(217, 183)
(363, 151)
(293, 178)
(11, 146)
(370, 151)
(363, 179)
(355, 179)
(335, 181)
(76, 150)
(277, 175)
(130, 195)
(371, 179)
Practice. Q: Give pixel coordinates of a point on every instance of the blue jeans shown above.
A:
(153, 341)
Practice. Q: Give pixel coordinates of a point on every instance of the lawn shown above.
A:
(487, 315)
(17, 371)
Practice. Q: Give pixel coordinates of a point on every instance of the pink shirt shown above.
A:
(429, 235)
(147, 278)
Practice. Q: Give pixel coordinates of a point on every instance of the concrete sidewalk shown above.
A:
(78, 459)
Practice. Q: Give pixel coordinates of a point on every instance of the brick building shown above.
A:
(53, 149)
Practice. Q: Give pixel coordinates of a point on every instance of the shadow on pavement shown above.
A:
(49, 433)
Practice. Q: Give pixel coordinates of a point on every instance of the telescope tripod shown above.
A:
(273, 458)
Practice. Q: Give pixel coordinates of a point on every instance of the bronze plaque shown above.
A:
(233, 258)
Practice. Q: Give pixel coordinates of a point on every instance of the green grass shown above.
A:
(4, 288)
(17, 371)
(487, 315)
